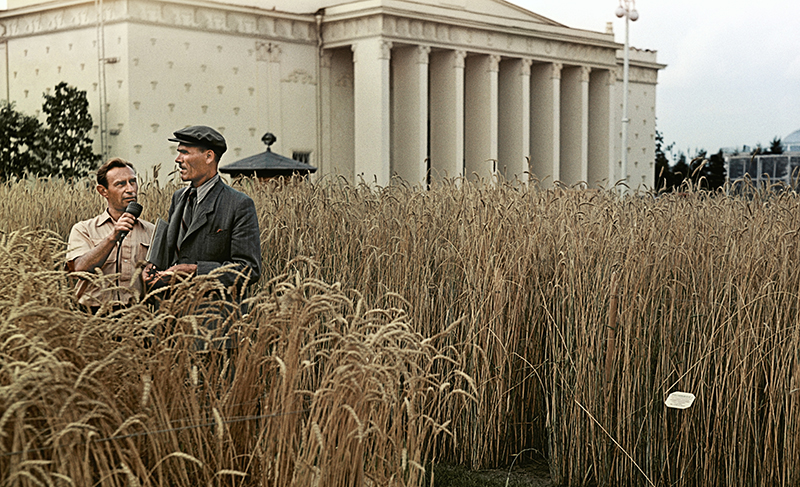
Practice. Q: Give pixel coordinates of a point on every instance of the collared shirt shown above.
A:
(204, 189)
(87, 235)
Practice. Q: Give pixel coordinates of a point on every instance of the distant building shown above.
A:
(768, 168)
(362, 88)
(792, 142)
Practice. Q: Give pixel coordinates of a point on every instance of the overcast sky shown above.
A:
(733, 74)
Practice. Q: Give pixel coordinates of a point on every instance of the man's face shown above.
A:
(196, 164)
(122, 188)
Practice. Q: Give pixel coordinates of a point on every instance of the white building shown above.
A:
(362, 88)
(791, 143)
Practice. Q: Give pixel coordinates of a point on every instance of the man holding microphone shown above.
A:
(112, 235)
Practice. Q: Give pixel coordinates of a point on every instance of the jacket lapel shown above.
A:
(175, 223)
(205, 207)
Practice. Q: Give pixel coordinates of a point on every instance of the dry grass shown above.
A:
(319, 391)
(553, 320)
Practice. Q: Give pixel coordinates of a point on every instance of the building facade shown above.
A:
(767, 168)
(764, 169)
(365, 89)
(791, 143)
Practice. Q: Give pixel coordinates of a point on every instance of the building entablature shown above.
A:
(69, 15)
(643, 66)
(640, 58)
(453, 35)
(638, 74)
(525, 21)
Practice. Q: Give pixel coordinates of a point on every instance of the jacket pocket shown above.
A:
(217, 241)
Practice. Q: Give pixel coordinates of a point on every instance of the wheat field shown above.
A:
(396, 328)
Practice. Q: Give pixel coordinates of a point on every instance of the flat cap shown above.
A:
(201, 136)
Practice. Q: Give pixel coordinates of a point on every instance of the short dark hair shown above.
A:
(102, 172)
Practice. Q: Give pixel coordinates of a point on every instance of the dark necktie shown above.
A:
(186, 218)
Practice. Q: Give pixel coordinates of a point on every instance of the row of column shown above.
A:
(453, 113)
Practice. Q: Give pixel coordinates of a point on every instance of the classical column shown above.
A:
(574, 124)
(371, 70)
(341, 152)
(546, 122)
(480, 115)
(585, 73)
(325, 82)
(514, 118)
(410, 114)
(447, 114)
(601, 128)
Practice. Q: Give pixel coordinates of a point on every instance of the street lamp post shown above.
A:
(627, 9)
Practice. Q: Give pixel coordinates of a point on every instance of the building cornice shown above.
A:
(642, 58)
(445, 33)
(644, 65)
(211, 17)
(432, 13)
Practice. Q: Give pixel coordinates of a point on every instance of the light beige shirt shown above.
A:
(86, 235)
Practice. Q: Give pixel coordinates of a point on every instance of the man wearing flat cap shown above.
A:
(210, 224)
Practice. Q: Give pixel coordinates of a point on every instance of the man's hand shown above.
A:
(184, 270)
(124, 224)
(151, 276)
(97, 256)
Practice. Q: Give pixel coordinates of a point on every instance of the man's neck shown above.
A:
(197, 184)
(115, 214)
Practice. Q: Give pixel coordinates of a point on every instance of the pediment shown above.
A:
(496, 8)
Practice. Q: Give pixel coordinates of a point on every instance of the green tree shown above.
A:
(776, 146)
(680, 171)
(706, 172)
(68, 126)
(21, 147)
(714, 171)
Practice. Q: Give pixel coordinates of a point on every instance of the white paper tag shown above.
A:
(679, 400)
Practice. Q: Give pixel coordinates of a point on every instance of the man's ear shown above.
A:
(102, 190)
(209, 156)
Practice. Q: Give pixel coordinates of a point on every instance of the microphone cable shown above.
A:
(119, 266)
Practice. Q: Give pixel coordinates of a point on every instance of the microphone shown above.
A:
(134, 209)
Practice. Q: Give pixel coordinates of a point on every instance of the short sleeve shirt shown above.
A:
(87, 235)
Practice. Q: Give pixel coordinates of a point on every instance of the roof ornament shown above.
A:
(269, 139)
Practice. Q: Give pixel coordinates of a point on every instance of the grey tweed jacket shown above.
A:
(224, 231)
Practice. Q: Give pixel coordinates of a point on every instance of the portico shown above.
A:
(443, 98)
